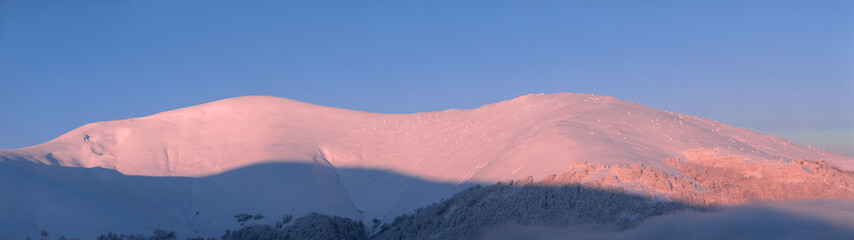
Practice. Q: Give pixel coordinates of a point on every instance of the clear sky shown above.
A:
(785, 67)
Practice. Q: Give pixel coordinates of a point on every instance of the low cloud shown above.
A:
(813, 219)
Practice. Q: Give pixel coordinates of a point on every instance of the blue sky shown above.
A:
(784, 67)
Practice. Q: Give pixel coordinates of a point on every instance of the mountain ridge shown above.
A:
(377, 166)
(247, 119)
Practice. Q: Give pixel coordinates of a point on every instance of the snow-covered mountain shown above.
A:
(192, 169)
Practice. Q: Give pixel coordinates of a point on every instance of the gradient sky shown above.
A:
(785, 67)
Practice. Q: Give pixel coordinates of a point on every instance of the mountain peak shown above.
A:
(555, 137)
(551, 130)
(242, 105)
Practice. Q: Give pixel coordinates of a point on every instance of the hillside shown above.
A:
(192, 169)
